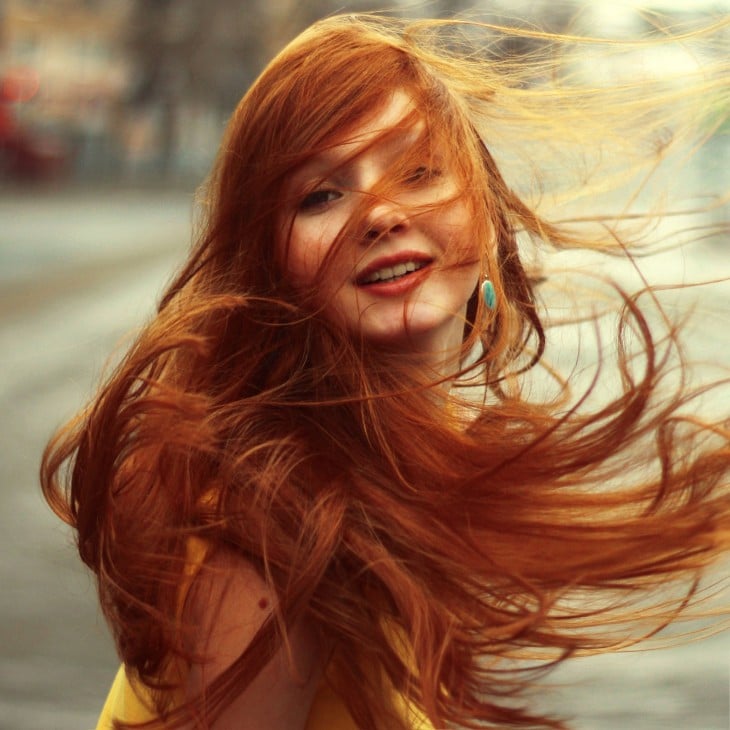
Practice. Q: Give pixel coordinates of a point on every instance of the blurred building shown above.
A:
(64, 75)
(141, 89)
(130, 89)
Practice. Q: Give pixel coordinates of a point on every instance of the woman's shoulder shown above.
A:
(224, 602)
(228, 604)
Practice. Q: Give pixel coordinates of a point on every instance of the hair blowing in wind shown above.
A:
(446, 535)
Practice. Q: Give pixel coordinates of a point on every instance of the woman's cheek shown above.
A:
(310, 243)
(465, 232)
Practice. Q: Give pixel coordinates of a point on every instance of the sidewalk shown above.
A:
(77, 271)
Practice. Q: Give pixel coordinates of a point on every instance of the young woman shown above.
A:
(315, 492)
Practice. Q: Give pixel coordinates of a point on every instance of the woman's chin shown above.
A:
(416, 339)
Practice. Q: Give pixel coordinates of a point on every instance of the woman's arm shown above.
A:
(229, 603)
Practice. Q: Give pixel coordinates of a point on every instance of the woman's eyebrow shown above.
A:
(390, 142)
(317, 167)
(325, 161)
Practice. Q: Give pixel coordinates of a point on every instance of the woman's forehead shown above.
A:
(397, 107)
(393, 125)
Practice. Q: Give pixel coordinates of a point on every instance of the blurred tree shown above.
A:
(186, 50)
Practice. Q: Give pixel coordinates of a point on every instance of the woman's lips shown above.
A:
(389, 267)
(394, 275)
(388, 273)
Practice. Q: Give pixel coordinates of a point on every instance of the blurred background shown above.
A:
(110, 114)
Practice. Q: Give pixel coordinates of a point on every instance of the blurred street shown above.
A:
(78, 270)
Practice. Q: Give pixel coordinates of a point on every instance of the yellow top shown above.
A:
(131, 703)
(328, 711)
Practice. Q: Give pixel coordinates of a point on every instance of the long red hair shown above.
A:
(431, 544)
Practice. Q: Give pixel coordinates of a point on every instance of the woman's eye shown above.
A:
(318, 198)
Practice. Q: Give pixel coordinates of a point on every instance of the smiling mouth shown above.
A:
(387, 274)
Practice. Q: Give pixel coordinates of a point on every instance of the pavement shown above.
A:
(78, 270)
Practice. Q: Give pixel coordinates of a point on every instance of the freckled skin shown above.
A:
(428, 316)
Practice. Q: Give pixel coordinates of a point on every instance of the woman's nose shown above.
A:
(386, 217)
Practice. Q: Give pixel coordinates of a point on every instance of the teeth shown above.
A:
(388, 273)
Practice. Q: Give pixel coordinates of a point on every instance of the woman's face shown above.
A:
(403, 276)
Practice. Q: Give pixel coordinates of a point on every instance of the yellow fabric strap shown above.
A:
(125, 702)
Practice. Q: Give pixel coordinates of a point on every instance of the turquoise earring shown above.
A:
(488, 294)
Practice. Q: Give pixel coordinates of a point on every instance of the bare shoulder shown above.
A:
(229, 603)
